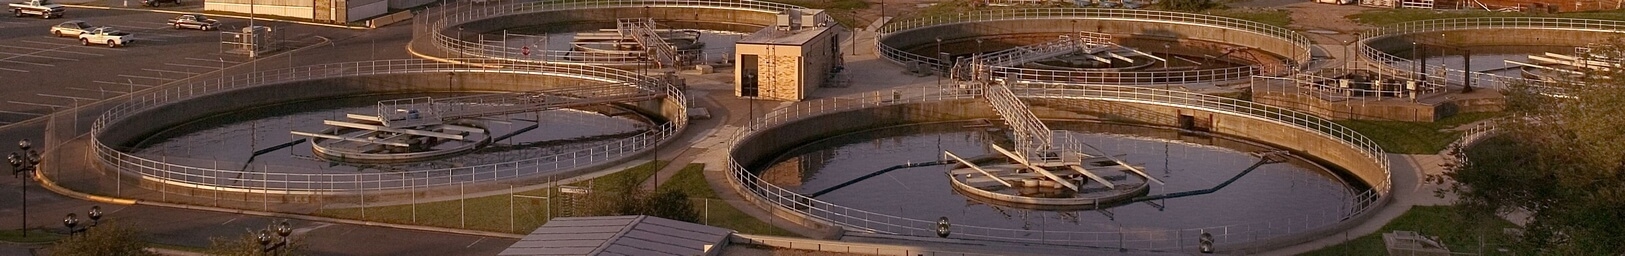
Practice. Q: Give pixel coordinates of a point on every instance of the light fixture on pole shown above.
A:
(23, 166)
(283, 230)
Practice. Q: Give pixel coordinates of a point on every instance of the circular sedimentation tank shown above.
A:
(1146, 48)
(278, 129)
(1254, 176)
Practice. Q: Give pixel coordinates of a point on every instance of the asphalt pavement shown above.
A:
(43, 74)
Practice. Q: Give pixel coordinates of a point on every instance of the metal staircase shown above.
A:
(642, 31)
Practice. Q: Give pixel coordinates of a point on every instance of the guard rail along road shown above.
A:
(774, 198)
(260, 181)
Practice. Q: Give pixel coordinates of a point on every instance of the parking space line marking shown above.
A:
(193, 66)
(25, 62)
(35, 55)
(52, 50)
(122, 84)
(14, 70)
(73, 44)
(21, 113)
(65, 97)
(471, 245)
(100, 90)
(168, 71)
(213, 60)
(37, 104)
(148, 77)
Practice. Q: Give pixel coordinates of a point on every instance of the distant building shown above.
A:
(325, 11)
(789, 60)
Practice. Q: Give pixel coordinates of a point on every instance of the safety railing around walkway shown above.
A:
(264, 178)
(1439, 73)
(1300, 44)
(767, 195)
(441, 26)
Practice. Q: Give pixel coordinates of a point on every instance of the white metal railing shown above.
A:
(1300, 44)
(441, 27)
(1390, 64)
(288, 182)
(767, 195)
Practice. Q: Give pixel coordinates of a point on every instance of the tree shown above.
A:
(1561, 158)
(106, 239)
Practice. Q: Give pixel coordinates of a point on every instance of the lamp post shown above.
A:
(940, 60)
(22, 166)
(72, 221)
(267, 245)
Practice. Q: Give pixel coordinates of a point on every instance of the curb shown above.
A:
(215, 15)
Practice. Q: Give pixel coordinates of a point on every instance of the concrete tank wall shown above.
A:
(1493, 37)
(140, 125)
(701, 18)
(1132, 30)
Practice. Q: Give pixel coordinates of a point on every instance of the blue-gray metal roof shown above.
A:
(619, 235)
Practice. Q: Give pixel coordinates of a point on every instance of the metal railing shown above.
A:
(1301, 45)
(1390, 64)
(767, 195)
(435, 24)
(263, 179)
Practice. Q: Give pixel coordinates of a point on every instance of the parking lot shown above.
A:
(41, 73)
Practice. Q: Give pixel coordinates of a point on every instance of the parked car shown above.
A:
(106, 35)
(155, 3)
(42, 8)
(71, 28)
(193, 21)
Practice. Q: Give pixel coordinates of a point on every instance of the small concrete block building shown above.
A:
(787, 61)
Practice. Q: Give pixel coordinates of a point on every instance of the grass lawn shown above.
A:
(1278, 18)
(34, 236)
(1415, 137)
(490, 213)
(1440, 221)
(1385, 16)
(713, 211)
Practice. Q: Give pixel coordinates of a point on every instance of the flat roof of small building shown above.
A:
(772, 35)
(619, 235)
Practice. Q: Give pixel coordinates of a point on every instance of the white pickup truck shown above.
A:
(42, 8)
(106, 35)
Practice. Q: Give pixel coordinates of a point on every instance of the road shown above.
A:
(40, 74)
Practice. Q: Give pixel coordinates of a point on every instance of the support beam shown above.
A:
(326, 136)
(977, 168)
(1092, 176)
(1124, 164)
(394, 130)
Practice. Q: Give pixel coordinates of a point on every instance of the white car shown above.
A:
(71, 28)
(106, 35)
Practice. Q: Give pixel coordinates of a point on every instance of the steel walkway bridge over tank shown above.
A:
(421, 111)
(642, 30)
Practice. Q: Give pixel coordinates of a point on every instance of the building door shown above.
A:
(748, 82)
